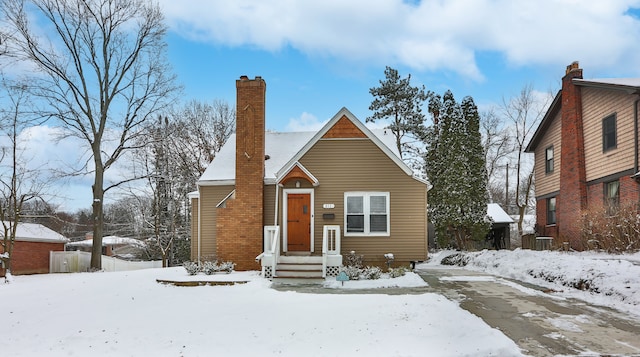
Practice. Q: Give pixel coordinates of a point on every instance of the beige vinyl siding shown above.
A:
(547, 183)
(598, 104)
(210, 197)
(342, 165)
(269, 204)
(194, 228)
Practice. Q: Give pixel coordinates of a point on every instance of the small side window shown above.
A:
(548, 164)
(609, 138)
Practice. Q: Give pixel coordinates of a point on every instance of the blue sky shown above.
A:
(318, 56)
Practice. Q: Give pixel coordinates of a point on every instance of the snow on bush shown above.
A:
(372, 273)
(208, 267)
(397, 272)
(601, 276)
(192, 268)
(352, 272)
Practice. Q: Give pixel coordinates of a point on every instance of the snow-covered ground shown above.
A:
(130, 314)
(595, 277)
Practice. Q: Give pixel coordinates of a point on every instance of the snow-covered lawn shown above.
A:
(130, 314)
(598, 278)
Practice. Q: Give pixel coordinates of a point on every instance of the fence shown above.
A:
(77, 261)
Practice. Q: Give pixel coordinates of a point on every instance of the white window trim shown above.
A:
(366, 232)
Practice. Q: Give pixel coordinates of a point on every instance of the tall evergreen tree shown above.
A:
(456, 169)
(401, 103)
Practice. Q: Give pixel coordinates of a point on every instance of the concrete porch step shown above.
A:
(312, 259)
(298, 281)
(299, 266)
(283, 273)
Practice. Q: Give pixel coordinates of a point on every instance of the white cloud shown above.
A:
(306, 122)
(429, 35)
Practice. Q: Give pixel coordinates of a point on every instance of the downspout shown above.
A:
(635, 134)
(199, 225)
(275, 212)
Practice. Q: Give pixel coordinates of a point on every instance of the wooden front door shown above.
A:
(299, 222)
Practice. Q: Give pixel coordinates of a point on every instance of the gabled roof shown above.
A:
(284, 149)
(33, 232)
(551, 113)
(344, 112)
(628, 85)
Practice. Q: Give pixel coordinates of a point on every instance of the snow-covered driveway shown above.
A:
(542, 324)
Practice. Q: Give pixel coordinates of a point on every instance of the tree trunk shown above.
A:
(98, 216)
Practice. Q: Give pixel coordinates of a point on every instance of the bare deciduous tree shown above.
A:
(497, 145)
(101, 73)
(18, 183)
(524, 113)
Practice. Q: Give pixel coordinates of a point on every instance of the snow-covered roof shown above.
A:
(497, 214)
(281, 148)
(34, 232)
(109, 240)
(613, 82)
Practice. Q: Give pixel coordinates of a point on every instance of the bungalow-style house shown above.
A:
(31, 248)
(283, 202)
(586, 152)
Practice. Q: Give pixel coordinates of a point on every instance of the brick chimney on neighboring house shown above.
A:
(572, 198)
(239, 225)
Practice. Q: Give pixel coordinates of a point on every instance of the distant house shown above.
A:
(120, 247)
(269, 199)
(31, 248)
(586, 152)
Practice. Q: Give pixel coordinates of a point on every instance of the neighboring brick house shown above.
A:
(586, 152)
(341, 189)
(31, 248)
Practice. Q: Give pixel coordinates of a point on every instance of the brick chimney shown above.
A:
(239, 226)
(573, 187)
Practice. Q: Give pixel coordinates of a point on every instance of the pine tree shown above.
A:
(455, 168)
(401, 103)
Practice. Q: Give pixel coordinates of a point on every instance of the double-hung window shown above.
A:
(609, 139)
(612, 196)
(551, 210)
(548, 160)
(366, 213)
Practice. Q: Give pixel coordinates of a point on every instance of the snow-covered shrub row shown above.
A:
(208, 267)
(599, 275)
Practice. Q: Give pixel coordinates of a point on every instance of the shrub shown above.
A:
(458, 259)
(210, 267)
(372, 273)
(226, 267)
(616, 233)
(352, 272)
(397, 272)
(353, 260)
(192, 268)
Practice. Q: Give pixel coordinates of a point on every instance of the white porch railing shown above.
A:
(271, 247)
(330, 245)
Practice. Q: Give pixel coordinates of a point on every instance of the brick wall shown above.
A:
(32, 257)
(239, 225)
(572, 198)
